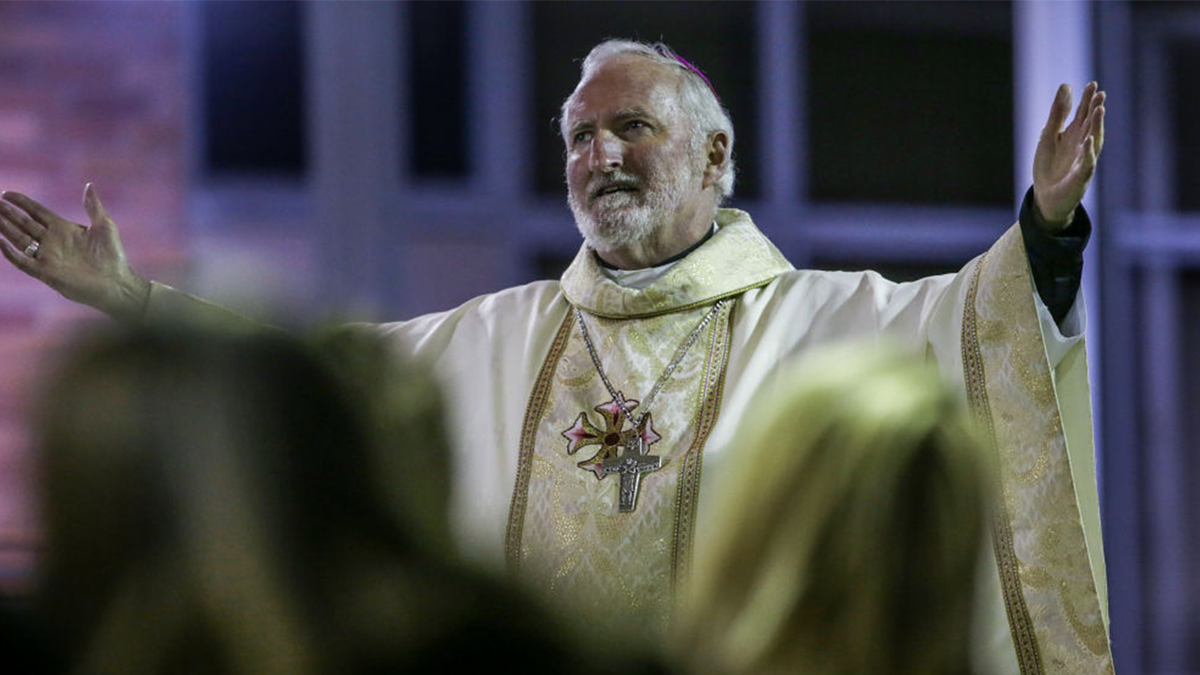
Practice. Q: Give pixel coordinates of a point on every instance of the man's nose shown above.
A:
(607, 153)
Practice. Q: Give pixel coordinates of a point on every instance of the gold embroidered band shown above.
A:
(534, 411)
(1002, 542)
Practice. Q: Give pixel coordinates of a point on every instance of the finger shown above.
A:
(39, 213)
(19, 220)
(95, 210)
(13, 234)
(1087, 163)
(1097, 130)
(1096, 102)
(18, 259)
(1058, 110)
(1085, 104)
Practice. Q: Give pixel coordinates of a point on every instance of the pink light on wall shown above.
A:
(88, 92)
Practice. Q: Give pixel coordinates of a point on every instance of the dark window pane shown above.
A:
(253, 60)
(1189, 525)
(437, 88)
(550, 264)
(1138, 316)
(892, 270)
(1184, 99)
(716, 36)
(910, 102)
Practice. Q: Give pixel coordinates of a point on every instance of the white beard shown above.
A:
(623, 219)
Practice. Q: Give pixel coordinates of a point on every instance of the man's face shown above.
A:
(632, 166)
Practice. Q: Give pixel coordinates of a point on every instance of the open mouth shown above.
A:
(613, 189)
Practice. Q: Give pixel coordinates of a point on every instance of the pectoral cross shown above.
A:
(630, 466)
(633, 461)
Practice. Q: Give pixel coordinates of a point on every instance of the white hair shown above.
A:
(696, 96)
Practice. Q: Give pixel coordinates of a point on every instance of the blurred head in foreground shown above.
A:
(213, 503)
(850, 528)
(253, 505)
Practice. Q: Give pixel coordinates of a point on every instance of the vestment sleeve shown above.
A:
(1037, 420)
(1061, 336)
(168, 304)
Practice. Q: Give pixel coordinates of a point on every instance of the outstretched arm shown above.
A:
(1065, 159)
(1054, 230)
(84, 264)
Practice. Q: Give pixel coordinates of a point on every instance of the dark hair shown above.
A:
(250, 504)
(207, 490)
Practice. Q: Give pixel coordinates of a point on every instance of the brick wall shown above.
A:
(88, 91)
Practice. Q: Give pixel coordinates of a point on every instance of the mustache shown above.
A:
(610, 180)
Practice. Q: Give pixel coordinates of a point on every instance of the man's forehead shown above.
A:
(623, 83)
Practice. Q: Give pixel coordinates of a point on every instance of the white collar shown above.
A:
(642, 278)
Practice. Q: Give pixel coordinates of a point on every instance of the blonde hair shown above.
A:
(850, 528)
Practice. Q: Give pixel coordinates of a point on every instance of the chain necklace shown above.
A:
(666, 375)
(635, 459)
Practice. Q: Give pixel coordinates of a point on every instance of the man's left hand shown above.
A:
(1066, 158)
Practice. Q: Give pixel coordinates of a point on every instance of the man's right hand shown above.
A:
(84, 264)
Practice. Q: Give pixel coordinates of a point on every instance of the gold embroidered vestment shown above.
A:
(517, 376)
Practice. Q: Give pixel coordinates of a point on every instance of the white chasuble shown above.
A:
(534, 424)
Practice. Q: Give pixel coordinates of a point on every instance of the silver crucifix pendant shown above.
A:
(630, 465)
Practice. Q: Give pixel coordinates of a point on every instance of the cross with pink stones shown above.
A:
(612, 438)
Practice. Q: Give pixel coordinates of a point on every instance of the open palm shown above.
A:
(84, 264)
(1066, 157)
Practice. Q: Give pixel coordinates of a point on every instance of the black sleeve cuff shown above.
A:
(1055, 260)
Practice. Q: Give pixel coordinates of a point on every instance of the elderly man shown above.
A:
(593, 413)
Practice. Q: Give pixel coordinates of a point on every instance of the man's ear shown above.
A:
(717, 152)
